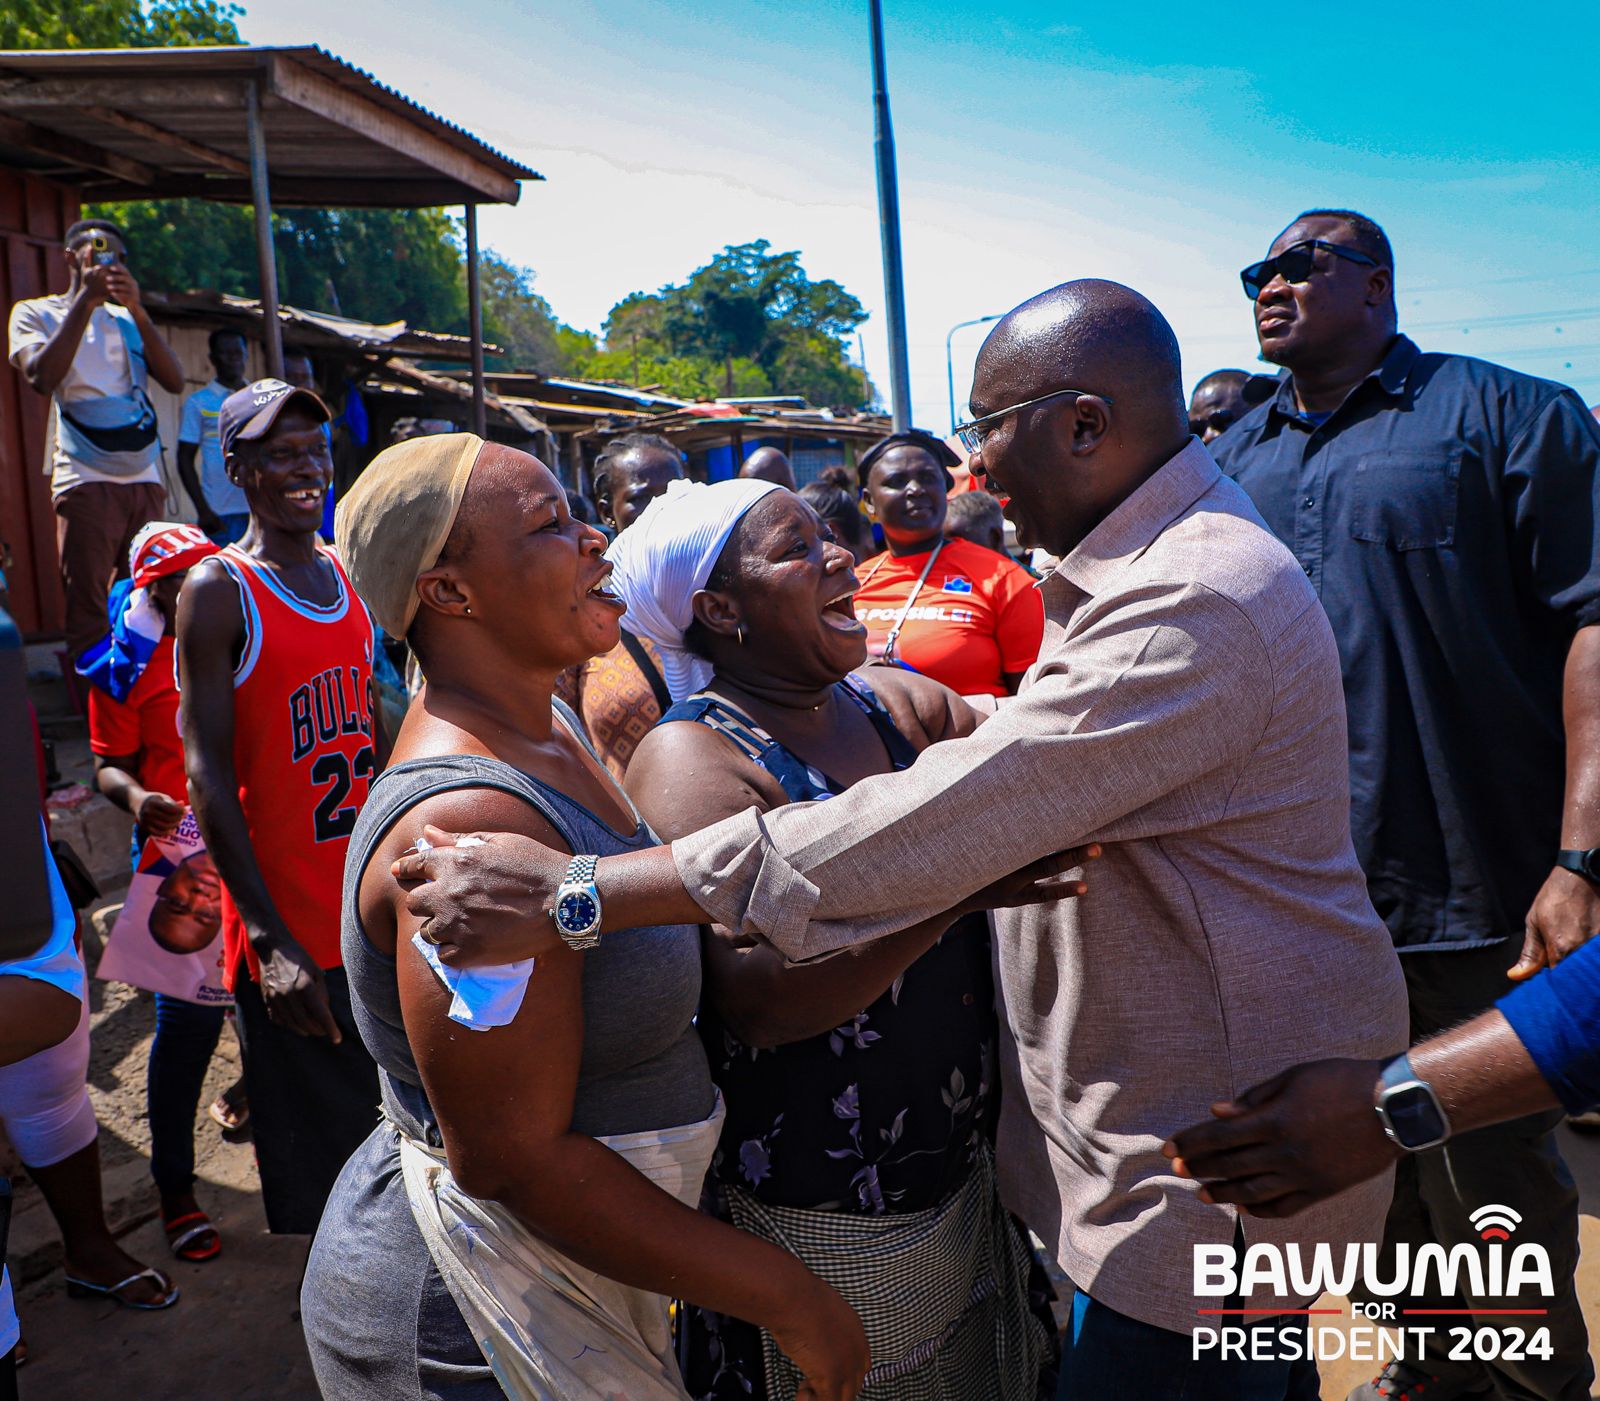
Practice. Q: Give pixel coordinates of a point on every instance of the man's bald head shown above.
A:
(767, 464)
(1069, 461)
(1094, 335)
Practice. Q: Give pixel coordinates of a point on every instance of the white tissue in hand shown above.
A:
(480, 997)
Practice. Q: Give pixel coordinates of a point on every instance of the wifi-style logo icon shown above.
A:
(1495, 1222)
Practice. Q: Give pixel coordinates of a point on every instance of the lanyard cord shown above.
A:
(911, 598)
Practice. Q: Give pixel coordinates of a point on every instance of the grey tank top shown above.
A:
(642, 1065)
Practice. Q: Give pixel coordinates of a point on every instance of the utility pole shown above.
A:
(475, 321)
(950, 364)
(894, 289)
(266, 254)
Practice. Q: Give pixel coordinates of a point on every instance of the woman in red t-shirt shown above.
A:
(133, 731)
(962, 614)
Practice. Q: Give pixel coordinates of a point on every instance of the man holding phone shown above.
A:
(93, 348)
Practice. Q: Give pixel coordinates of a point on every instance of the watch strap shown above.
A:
(580, 871)
(1585, 863)
(1397, 1072)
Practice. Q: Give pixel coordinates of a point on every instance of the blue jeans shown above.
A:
(186, 1035)
(1106, 1353)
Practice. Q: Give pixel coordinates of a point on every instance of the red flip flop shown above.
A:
(190, 1244)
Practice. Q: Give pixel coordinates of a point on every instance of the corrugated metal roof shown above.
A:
(129, 123)
(398, 375)
(701, 424)
(556, 389)
(311, 329)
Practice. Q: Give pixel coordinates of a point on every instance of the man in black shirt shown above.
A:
(1446, 508)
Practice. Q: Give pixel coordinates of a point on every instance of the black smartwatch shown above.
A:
(1585, 863)
(1411, 1113)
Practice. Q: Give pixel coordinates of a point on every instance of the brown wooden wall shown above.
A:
(34, 216)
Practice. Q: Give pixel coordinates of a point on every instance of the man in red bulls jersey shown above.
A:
(275, 679)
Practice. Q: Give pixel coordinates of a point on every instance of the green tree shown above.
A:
(749, 322)
(373, 264)
(116, 24)
(519, 320)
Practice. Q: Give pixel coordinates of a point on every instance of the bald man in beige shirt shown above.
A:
(1186, 711)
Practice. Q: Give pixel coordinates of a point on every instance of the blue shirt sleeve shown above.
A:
(1557, 1017)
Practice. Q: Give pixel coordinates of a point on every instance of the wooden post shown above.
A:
(475, 322)
(266, 256)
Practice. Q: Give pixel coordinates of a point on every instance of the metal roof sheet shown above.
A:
(311, 330)
(152, 123)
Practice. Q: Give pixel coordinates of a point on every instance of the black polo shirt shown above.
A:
(1447, 514)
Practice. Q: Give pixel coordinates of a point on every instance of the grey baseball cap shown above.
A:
(249, 413)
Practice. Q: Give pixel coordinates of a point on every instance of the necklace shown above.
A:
(911, 598)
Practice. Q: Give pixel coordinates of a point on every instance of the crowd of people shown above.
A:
(817, 908)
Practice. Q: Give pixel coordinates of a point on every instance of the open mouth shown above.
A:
(840, 614)
(305, 495)
(602, 592)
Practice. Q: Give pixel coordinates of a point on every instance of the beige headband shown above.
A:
(391, 526)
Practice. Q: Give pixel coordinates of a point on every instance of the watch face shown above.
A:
(577, 913)
(1415, 1117)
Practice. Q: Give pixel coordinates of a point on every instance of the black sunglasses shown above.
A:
(1218, 422)
(1296, 264)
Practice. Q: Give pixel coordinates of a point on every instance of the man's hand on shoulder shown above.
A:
(925, 710)
(1565, 914)
(486, 902)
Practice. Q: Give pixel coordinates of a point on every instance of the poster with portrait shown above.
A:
(168, 937)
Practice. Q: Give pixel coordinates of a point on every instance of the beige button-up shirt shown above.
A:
(1186, 710)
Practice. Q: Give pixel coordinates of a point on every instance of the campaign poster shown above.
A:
(168, 937)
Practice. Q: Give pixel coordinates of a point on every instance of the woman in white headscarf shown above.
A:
(861, 1090)
(519, 1218)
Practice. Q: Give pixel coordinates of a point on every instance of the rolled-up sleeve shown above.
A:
(1155, 688)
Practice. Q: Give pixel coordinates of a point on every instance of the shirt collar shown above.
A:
(1391, 374)
(1130, 528)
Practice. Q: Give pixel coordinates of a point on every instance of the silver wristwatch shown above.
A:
(576, 911)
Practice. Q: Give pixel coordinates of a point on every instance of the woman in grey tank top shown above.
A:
(527, 1203)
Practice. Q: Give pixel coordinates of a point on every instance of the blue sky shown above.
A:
(1163, 147)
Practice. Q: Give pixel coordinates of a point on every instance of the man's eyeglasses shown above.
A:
(1219, 422)
(1296, 264)
(972, 434)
